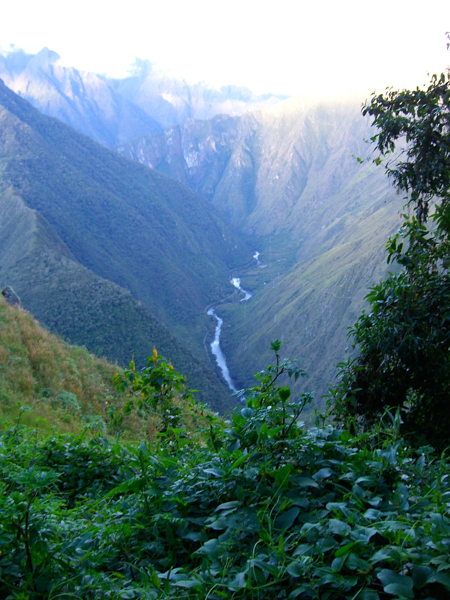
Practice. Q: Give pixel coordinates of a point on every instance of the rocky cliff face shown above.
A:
(268, 171)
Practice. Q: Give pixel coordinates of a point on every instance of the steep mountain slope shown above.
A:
(125, 223)
(84, 308)
(264, 171)
(66, 387)
(82, 100)
(289, 178)
(112, 111)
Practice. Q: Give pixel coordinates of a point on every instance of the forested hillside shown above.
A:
(286, 178)
(124, 223)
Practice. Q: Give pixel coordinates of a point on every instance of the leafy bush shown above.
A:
(403, 341)
(262, 509)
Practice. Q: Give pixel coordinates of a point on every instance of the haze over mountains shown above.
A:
(111, 253)
(112, 111)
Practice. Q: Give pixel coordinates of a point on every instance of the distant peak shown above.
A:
(45, 57)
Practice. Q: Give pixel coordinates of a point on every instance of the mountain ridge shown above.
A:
(113, 111)
(120, 220)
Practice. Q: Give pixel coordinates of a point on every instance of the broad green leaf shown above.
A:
(127, 595)
(215, 472)
(238, 462)
(212, 549)
(338, 563)
(366, 594)
(286, 519)
(393, 583)
(372, 514)
(247, 412)
(187, 583)
(343, 550)
(323, 473)
(132, 485)
(338, 527)
(228, 505)
(442, 578)
(265, 567)
(421, 575)
(305, 482)
(296, 569)
(356, 563)
(281, 475)
(239, 581)
(304, 550)
(196, 536)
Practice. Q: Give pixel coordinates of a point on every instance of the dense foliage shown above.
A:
(403, 342)
(261, 509)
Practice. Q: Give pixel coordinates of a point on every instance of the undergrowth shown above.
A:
(257, 507)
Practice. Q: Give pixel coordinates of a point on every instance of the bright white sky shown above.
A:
(282, 46)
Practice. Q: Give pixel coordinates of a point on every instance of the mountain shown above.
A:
(120, 221)
(84, 308)
(170, 100)
(288, 178)
(112, 111)
(80, 99)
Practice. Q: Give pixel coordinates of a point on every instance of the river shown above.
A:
(215, 344)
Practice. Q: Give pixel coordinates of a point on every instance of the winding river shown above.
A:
(215, 344)
(217, 351)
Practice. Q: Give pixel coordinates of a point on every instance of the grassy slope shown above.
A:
(127, 224)
(84, 308)
(65, 386)
(311, 306)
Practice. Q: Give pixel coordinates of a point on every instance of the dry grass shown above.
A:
(65, 386)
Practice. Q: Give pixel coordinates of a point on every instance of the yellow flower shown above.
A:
(155, 356)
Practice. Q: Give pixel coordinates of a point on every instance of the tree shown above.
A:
(403, 342)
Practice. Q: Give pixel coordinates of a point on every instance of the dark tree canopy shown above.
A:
(403, 341)
(420, 120)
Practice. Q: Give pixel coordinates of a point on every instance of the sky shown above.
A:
(292, 47)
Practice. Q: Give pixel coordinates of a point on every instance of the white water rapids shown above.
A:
(217, 351)
(237, 284)
(215, 344)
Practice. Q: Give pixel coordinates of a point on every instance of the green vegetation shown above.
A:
(261, 508)
(255, 506)
(403, 343)
(64, 388)
(49, 385)
(86, 309)
(76, 216)
(287, 177)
